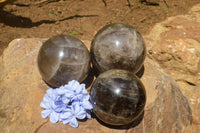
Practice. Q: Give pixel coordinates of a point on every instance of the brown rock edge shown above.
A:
(22, 90)
(175, 45)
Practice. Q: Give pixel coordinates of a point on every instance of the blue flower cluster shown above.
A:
(67, 104)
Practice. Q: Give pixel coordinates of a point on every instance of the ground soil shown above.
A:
(82, 18)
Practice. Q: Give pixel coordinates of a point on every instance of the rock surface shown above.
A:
(22, 90)
(175, 45)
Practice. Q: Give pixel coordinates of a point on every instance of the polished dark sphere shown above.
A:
(118, 97)
(118, 46)
(63, 58)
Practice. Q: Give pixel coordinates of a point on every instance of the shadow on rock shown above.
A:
(18, 21)
(141, 72)
(89, 79)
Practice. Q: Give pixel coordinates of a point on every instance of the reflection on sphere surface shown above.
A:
(118, 46)
(118, 97)
(63, 58)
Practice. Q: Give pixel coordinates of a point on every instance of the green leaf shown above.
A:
(165, 8)
(51, 14)
(74, 32)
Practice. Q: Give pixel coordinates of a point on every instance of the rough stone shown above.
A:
(175, 45)
(22, 90)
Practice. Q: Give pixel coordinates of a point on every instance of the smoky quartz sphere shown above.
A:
(63, 58)
(118, 46)
(118, 97)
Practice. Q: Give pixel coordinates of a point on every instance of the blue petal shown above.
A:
(87, 105)
(78, 110)
(45, 113)
(77, 87)
(65, 100)
(54, 117)
(73, 122)
(78, 90)
(83, 89)
(76, 107)
(73, 85)
(77, 97)
(81, 114)
(66, 121)
(61, 91)
(52, 93)
(48, 104)
(54, 106)
(59, 109)
(58, 100)
(88, 114)
(68, 87)
(86, 97)
(72, 82)
(44, 105)
(46, 98)
(69, 94)
(66, 115)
